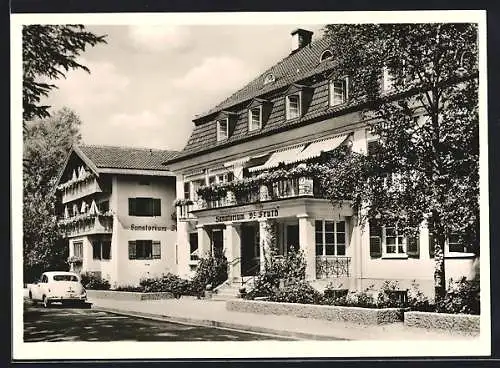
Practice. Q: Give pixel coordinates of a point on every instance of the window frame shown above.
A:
(335, 238)
(322, 58)
(219, 130)
(250, 119)
(101, 245)
(345, 91)
(150, 249)
(79, 245)
(154, 204)
(299, 107)
(404, 243)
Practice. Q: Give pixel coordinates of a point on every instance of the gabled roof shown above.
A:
(294, 67)
(113, 157)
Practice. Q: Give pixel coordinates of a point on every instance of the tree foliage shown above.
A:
(49, 51)
(46, 145)
(426, 167)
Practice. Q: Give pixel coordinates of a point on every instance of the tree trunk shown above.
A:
(439, 271)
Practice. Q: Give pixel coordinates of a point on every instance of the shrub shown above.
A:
(391, 296)
(297, 292)
(92, 281)
(130, 288)
(417, 301)
(363, 299)
(167, 283)
(211, 270)
(462, 296)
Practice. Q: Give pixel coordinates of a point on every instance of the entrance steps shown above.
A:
(231, 289)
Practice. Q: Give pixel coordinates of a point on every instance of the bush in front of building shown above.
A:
(211, 270)
(297, 292)
(94, 281)
(462, 296)
(129, 288)
(167, 283)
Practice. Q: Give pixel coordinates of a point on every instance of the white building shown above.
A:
(116, 207)
(287, 115)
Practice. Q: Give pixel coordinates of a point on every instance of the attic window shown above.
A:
(222, 129)
(269, 79)
(255, 118)
(326, 55)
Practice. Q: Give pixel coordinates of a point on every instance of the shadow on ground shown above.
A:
(67, 323)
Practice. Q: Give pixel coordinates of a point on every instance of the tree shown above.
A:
(47, 143)
(49, 51)
(426, 167)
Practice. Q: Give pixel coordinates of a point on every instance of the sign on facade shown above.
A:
(248, 215)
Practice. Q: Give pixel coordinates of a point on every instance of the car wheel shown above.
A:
(46, 302)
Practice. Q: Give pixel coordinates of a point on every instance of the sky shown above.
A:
(149, 82)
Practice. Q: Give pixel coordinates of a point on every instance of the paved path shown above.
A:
(214, 313)
(60, 323)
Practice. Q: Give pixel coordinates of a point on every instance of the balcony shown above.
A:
(87, 224)
(78, 189)
(280, 189)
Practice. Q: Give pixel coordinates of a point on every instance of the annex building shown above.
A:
(116, 208)
(289, 115)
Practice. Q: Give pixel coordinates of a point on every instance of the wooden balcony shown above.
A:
(81, 189)
(87, 225)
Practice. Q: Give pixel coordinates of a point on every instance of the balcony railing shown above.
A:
(297, 187)
(332, 266)
(80, 189)
(86, 224)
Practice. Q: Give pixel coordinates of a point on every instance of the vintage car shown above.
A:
(58, 286)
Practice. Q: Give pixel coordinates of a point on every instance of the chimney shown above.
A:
(300, 38)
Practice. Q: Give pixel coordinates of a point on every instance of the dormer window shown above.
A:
(339, 91)
(222, 129)
(255, 118)
(326, 55)
(269, 79)
(293, 106)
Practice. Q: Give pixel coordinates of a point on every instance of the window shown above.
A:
(196, 185)
(78, 249)
(292, 106)
(456, 244)
(222, 129)
(187, 192)
(101, 249)
(144, 207)
(44, 279)
(373, 148)
(389, 242)
(65, 278)
(387, 80)
(327, 54)
(144, 249)
(330, 238)
(193, 247)
(269, 79)
(255, 118)
(338, 91)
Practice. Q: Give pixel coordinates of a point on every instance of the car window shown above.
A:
(65, 278)
(44, 279)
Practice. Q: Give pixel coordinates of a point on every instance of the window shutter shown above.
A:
(131, 249)
(375, 240)
(156, 207)
(431, 245)
(413, 246)
(156, 249)
(131, 207)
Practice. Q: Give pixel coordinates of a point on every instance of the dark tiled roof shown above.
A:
(127, 157)
(296, 67)
(292, 68)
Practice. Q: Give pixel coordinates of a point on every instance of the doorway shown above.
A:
(217, 245)
(250, 250)
(292, 238)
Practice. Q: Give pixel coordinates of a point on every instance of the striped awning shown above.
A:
(315, 148)
(286, 156)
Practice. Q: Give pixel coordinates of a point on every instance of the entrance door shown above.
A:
(217, 242)
(250, 250)
(292, 238)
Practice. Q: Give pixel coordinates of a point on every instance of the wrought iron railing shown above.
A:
(332, 266)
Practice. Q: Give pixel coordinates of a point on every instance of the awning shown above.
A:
(286, 156)
(315, 148)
